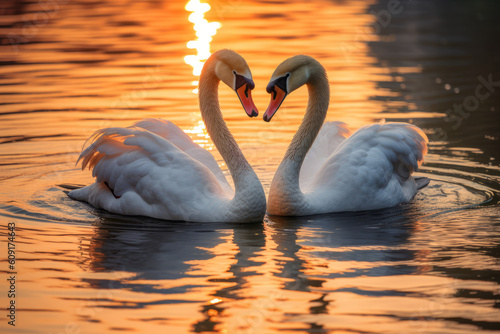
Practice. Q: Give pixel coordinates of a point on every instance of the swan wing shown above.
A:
(331, 135)
(372, 168)
(179, 138)
(139, 172)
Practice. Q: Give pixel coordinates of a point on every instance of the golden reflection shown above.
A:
(204, 32)
(215, 301)
(201, 135)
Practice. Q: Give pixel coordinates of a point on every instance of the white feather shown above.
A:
(332, 134)
(369, 170)
(149, 174)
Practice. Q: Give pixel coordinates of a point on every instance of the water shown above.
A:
(429, 266)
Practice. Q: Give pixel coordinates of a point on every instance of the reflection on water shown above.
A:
(430, 266)
(200, 136)
(204, 32)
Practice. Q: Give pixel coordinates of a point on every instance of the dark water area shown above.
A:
(450, 41)
(68, 68)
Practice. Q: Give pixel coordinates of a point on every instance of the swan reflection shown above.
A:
(236, 277)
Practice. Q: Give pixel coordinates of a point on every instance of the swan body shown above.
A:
(328, 169)
(154, 169)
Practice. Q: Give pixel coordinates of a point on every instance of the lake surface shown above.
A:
(428, 266)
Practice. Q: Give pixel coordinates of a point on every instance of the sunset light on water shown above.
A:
(71, 68)
(204, 32)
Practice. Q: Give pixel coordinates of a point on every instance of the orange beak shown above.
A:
(277, 97)
(245, 95)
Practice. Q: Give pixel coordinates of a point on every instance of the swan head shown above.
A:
(289, 76)
(233, 70)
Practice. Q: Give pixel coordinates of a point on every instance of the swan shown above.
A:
(325, 168)
(154, 169)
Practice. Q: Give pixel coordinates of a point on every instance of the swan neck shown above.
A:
(317, 107)
(222, 138)
(285, 195)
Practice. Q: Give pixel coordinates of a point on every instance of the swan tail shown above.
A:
(422, 182)
(112, 149)
(404, 146)
(101, 142)
(148, 134)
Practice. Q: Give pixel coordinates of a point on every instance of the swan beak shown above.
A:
(245, 95)
(277, 97)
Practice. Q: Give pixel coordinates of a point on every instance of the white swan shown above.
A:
(154, 169)
(369, 170)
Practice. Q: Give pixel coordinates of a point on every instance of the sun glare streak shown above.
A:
(204, 32)
(215, 301)
(201, 135)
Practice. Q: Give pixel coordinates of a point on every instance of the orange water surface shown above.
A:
(69, 68)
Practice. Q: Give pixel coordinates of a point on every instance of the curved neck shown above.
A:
(241, 171)
(287, 176)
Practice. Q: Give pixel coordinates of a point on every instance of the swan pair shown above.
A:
(154, 169)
